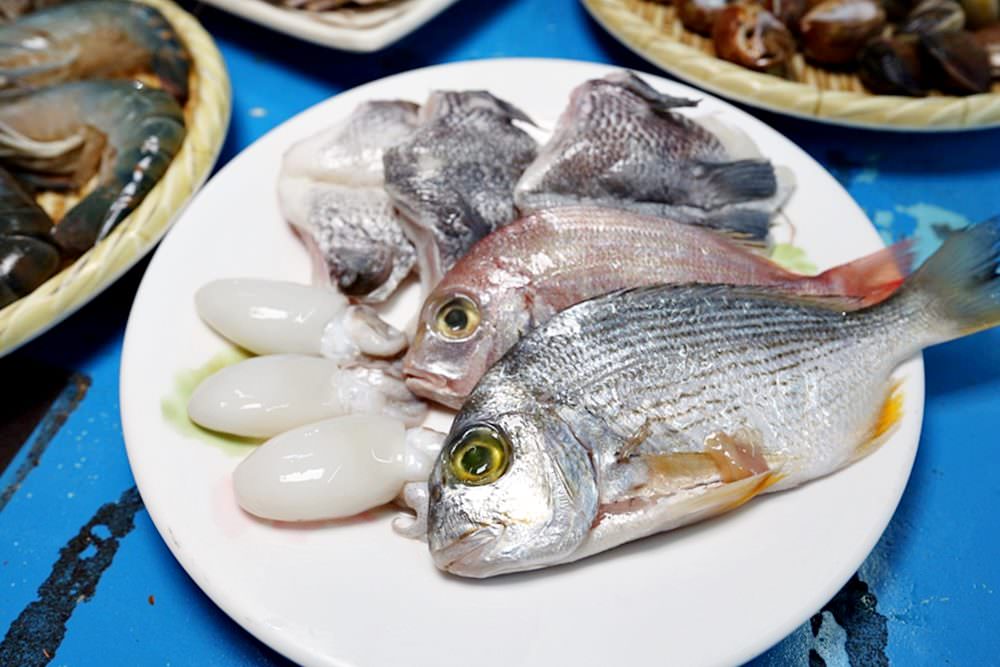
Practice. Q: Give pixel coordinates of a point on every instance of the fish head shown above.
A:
(463, 330)
(511, 492)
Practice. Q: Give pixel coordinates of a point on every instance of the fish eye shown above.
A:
(457, 318)
(480, 456)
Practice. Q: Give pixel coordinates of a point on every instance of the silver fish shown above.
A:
(520, 276)
(331, 190)
(649, 409)
(621, 143)
(453, 179)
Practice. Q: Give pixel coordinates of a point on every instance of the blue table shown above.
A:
(85, 578)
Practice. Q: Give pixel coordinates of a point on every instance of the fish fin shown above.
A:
(873, 277)
(726, 458)
(656, 515)
(634, 441)
(960, 282)
(658, 102)
(889, 416)
(734, 182)
(737, 455)
(746, 226)
(513, 112)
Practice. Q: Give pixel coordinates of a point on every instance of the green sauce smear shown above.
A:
(794, 259)
(173, 406)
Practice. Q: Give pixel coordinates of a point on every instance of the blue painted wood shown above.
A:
(928, 595)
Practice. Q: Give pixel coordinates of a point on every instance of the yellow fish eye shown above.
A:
(480, 456)
(457, 318)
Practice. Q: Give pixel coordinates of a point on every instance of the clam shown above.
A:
(934, 16)
(699, 15)
(891, 66)
(897, 10)
(834, 31)
(751, 36)
(989, 39)
(959, 64)
(981, 13)
(787, 11)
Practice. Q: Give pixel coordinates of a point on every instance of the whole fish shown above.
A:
(453, 179)
(520, 276)
(331, 190)
(621, 143)
(649, 409)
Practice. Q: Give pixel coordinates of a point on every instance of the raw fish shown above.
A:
(453, 178)
(648, 409)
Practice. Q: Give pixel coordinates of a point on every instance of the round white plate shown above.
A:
(305, 25)
(357, 594)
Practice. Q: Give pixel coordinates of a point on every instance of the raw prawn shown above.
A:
(58, 136)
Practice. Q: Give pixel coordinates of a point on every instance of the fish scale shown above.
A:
(618, 363)
(453, 178)
(331, 190)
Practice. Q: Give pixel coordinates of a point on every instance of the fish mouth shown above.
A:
(430, 385)
(463, 557)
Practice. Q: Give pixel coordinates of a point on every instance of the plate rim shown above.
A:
(278, 640)
(357, 40)
(865, 113)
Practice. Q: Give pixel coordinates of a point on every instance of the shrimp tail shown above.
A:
(170, 59)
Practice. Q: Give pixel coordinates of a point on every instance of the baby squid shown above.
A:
(264, 396)
(336, 468)
(273, 317)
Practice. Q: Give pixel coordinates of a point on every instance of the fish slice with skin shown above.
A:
(520, 276)
(621, 143)
(648, 409)
(331, 190)
(453, 178)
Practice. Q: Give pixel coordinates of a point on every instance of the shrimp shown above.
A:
(12, 9)
(93, 39)
(27, 255)
(59, 136)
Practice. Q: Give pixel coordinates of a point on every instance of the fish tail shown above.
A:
(872, 278)
(722, 183)
(747, 225)
(958, 287)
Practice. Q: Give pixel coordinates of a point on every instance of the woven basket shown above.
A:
(653, 31)
(207, 116)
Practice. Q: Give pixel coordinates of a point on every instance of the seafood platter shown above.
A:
(112, 116)
(888, 64)
(350, 25)
(522, 338)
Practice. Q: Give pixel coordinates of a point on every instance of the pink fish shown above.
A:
(521, 275)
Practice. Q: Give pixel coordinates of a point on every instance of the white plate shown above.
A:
(357, 594)
(312, 29)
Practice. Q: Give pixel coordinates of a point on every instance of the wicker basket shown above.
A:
(653, 30)
(207, 116)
